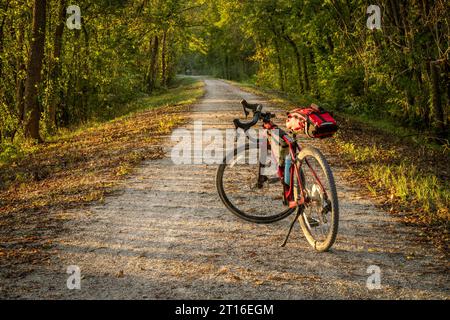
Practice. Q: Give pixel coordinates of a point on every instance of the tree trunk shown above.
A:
(170, 66)
(424, 107)
(34, 69)
(437, 100)
(164, 59)
(280, 66)
(153, 69)
(393, 5)
(447, 81)
(313, 74)
(1, 74)
(56, 67)
(298, 59)
(1, 44)
(330, 44)
(85, 86)
(305, 73)
(278, 53)
(20, 82)
(2, 34)
(227, 67)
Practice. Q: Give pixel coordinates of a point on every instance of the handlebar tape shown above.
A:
(251, 106)
(247, 125)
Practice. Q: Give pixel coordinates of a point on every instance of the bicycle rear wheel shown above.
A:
(248, 188)
(319, 220)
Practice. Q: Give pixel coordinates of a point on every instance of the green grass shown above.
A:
(12, 152)
(276, 97)
(401, 180)
(184, 91)
(367, 153)
(407, 184)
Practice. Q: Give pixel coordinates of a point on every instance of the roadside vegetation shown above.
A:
(75, 167)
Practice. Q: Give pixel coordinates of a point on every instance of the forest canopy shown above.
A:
(53, 76)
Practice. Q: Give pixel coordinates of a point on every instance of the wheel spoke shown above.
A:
(251, 192)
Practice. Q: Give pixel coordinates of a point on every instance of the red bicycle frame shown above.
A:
(294, 169)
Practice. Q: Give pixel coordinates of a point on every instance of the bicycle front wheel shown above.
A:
(249, 188)
(320, 213)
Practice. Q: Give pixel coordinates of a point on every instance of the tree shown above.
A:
(324, 49)
(32, 108)
(56, 62)
(310, 48)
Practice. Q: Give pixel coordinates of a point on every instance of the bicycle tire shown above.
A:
(332, 194)
(238, 212)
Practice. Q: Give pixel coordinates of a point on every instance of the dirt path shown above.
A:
(168, 236)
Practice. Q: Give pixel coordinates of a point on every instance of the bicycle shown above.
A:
(302, 183)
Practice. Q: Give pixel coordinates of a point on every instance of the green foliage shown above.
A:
(314, 50)
(184, 91)
(10, 152)
(324, 50)
(13, 152)
(94, 72)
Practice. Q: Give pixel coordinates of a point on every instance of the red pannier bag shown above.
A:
(313, 121)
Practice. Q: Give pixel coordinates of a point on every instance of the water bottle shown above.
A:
(287, 171)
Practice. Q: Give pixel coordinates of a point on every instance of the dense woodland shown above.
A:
(54, 77)
(323, 50)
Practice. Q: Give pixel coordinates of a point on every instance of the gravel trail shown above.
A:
(166, 235)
